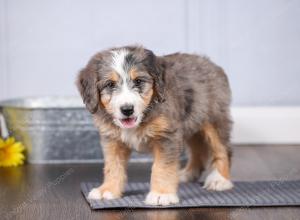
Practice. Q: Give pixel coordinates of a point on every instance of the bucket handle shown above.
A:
(3, 126)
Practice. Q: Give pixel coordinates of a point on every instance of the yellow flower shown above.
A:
(11, 152)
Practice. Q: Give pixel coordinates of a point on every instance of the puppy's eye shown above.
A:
(138, 82)
(110, 84)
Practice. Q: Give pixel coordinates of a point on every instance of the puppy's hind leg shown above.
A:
(197, 158)
(219, 178)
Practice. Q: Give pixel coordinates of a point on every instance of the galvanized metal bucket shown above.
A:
(53, 129)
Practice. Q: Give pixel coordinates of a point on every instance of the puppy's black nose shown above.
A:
(127, 110)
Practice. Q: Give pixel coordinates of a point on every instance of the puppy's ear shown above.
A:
(87, 86)
(157, 70)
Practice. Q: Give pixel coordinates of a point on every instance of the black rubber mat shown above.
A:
(244, 194)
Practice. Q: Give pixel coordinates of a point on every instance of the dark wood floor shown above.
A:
(52, 191)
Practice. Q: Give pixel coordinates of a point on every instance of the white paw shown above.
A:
(154, 198)
(188, 175)
(215, 181)
(96, 194)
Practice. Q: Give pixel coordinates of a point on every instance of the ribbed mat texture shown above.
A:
(244, 194)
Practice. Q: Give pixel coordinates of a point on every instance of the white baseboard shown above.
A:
(266, 125)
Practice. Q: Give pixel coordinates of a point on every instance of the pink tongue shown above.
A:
(128, 122)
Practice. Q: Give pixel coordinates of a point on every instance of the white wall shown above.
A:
(43, 44)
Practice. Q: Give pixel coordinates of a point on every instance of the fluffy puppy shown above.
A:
(140, 102)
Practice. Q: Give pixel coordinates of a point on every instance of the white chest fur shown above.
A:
(134, 139)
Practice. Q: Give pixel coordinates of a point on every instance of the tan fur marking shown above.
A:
(164, 176)
(116, 156)
(219, 153)
(147, 97)
(105, 99)
(157, 127)
(133, 73)
(114, 76)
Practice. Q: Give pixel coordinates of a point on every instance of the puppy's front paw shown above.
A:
(154, 198)
(215, 181)
(101, 193)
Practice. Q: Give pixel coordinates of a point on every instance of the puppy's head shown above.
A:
(123, 82)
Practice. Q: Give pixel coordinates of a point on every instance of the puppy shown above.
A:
(142, 102)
